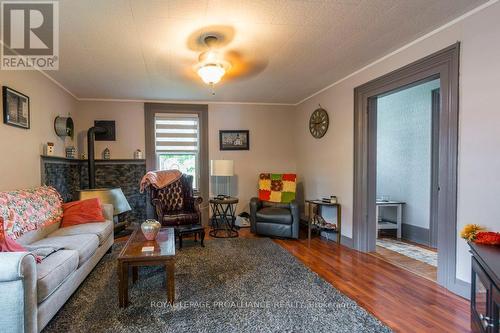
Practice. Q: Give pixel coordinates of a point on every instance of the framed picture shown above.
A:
(16, 108)
(234, 140)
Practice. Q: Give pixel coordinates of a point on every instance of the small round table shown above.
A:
(222, 220)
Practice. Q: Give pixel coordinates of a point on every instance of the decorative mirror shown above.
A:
(318, 123)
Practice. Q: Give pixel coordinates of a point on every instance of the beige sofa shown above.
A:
(30, 293)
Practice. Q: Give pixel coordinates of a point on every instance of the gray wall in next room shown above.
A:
(404, 153)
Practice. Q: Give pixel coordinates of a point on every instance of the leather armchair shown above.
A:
(175, 204)
(274, 219)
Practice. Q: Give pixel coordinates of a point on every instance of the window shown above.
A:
(177, 143)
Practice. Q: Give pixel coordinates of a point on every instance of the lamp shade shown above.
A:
(112, 196)
(221, 168)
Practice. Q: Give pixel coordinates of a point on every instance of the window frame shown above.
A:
(196, 153)
(150, 110)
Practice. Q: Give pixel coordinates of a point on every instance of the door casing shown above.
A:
(444, 65)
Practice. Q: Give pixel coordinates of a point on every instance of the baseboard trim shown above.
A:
(461, 288)
(346, 241)
(415, 234)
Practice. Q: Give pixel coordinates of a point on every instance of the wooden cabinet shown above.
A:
(495, 305)
(485, 286)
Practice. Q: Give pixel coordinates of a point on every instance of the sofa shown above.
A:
(31, 293)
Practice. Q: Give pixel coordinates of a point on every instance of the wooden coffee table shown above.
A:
(132, 256)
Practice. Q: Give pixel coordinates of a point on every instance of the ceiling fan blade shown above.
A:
(243, 67)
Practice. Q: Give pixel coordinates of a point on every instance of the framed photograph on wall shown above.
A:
(16, 108)
(234, 140)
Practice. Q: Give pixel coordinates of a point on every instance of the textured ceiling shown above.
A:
(282, 51)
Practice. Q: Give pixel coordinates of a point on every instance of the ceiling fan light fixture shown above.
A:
(211, 73)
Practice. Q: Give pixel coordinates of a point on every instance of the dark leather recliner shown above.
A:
(175, 204)
(274, 219)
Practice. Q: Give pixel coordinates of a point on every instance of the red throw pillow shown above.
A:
(83, 211)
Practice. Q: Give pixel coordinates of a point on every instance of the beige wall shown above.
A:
(21, 149)
(129, 117)
(326, 165)
(271, 137)
(272, 143)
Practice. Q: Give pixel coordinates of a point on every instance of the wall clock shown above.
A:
(318, 123)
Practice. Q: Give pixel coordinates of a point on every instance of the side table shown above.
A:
(320, 203)
(382, 224)
(223, 218)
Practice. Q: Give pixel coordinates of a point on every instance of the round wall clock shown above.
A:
(318, 123)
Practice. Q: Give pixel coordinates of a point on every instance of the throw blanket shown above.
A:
(7, 244)
(277, 187)
(160, 178)
(31, 209)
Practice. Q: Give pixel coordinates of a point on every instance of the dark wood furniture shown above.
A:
(131, 256)
(485, 288)
(319, 204)
(222, 220)
(176, 204)
(196, 229)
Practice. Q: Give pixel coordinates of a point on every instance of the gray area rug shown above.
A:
(409, 250)
(233, 285)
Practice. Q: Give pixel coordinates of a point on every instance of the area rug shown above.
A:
(409, 250)
(233, 285)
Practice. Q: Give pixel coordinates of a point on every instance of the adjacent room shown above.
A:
(249, 166)
(407, 235)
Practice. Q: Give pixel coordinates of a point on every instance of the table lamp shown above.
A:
(113, 196)
(222, 168)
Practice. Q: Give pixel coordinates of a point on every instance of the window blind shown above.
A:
(176, 133)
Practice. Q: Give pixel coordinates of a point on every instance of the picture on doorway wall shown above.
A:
(16, 108)
(234, 140)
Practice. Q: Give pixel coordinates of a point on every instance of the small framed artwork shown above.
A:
(16, 108)
(234, 140)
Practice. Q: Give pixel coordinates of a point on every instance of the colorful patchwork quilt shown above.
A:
(277, 187)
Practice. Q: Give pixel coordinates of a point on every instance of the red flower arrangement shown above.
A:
(488, 238)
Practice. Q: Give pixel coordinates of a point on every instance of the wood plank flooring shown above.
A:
(415, 266)
(402, 300)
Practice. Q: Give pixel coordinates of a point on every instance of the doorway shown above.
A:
(406, 120)
(444, 66)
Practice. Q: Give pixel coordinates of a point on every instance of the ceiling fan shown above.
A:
(211, 66)
(218, 61)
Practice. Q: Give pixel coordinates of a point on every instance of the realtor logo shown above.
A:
(30, 35)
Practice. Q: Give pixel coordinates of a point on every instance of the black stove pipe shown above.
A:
(90, 151)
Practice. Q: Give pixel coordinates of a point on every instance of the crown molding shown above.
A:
(433, 32)
(178, 101)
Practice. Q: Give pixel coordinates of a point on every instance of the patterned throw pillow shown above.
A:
(26, 210)
(277, 187)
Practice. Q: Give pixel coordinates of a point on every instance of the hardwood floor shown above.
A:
(402, 300)
(415, 266)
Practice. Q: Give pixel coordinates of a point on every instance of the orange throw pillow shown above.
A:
(83, 211)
